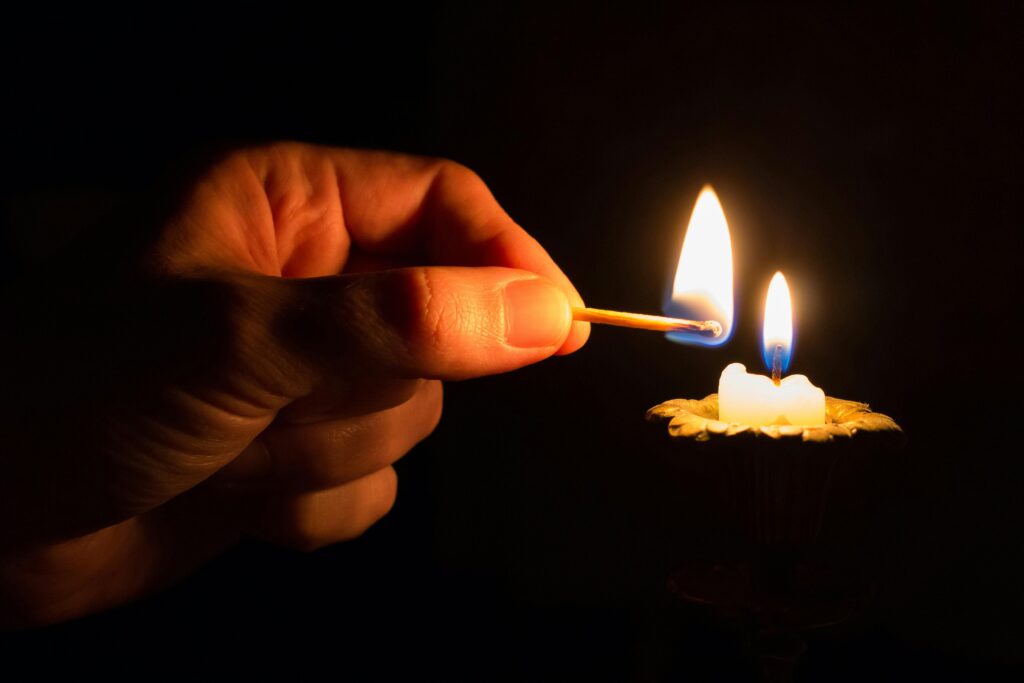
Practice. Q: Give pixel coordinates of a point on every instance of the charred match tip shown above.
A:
(712, 328)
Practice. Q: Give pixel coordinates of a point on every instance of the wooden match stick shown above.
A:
(642, 321)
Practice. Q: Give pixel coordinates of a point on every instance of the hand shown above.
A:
(254, 368)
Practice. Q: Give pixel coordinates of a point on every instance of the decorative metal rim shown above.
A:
(698, 420)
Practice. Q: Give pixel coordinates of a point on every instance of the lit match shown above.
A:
(642, 321)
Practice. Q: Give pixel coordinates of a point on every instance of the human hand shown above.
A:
(254, 369)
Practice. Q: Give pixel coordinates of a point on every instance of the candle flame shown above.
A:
(702, 288)
(778, 322)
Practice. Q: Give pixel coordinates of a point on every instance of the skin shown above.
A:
(252, 366)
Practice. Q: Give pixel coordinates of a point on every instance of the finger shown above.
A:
(443, 207)
(202, 378)
(437, 323)
(60, 581)
(313, 520)
(130, 559)
(341, 400)
(297, 210)
(322, 455)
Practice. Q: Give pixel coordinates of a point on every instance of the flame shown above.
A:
(702, 289)
(778, 322)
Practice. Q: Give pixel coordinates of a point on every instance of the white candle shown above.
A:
(756, 400)
(759, 400)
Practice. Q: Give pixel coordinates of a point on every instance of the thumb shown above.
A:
(159, 384)
(434, 322)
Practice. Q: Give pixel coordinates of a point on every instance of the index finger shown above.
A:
(436, 210)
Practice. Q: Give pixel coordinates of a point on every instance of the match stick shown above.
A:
(642, 321)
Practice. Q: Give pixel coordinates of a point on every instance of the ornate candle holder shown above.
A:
(778, 479)
(799, 516)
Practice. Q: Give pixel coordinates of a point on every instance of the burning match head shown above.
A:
(712, 328)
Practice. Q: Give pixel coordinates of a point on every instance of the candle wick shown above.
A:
(777, 365)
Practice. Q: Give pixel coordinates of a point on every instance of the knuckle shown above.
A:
(441, 311)
(453, 171)
(229, 165)
(423, 310)
(257, 156)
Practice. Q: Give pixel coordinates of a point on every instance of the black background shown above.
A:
(873, 155)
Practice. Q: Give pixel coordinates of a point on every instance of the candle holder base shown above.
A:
(794, 535)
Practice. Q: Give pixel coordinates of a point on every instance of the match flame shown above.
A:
(702, 289)
(778, 322)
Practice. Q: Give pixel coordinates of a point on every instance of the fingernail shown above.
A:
(536, 314)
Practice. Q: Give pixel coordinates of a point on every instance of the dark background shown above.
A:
(873, 155)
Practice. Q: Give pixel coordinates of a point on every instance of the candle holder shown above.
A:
(795, 539)
(777, 479)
